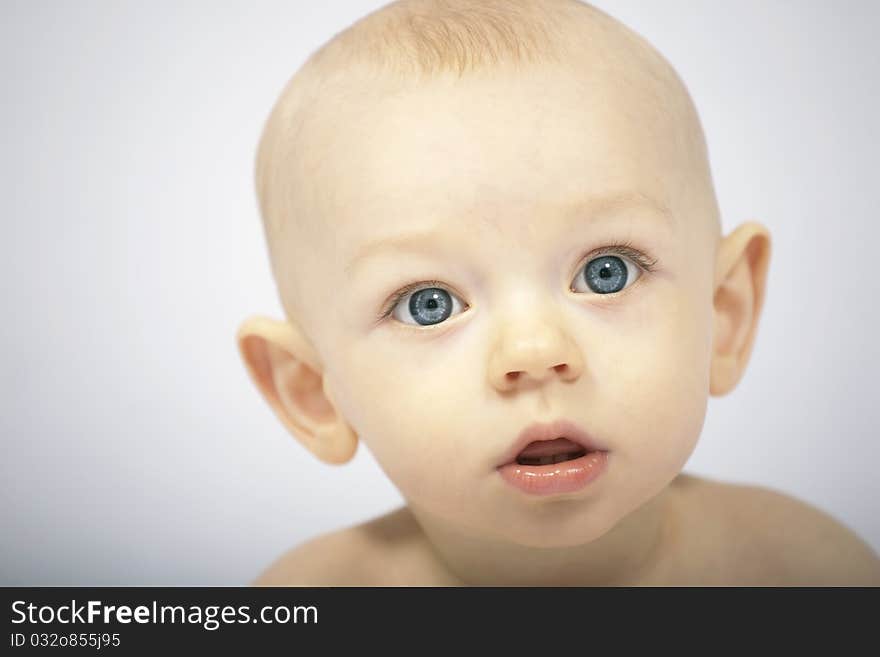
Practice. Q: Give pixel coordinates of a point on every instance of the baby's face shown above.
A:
(548, 222)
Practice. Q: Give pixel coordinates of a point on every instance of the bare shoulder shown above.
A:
(383, 551)
(790, 542)
(326, 560)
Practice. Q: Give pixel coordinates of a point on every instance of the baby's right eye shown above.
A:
(428, 306)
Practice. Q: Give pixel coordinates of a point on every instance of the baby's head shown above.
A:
(482, 215)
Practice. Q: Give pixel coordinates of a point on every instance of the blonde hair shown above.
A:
(432, 37)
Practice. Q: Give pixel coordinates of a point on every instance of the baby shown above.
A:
(497, 244)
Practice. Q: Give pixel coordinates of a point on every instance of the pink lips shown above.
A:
(552, 478)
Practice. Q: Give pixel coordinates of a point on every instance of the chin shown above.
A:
(550, 531)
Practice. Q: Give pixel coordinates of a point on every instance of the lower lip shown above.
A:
(562, 477)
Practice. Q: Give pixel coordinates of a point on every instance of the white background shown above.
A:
(135, 448)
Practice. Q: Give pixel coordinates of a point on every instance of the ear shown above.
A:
(740, 277)
(287, 371)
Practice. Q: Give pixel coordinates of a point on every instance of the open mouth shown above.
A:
(552, 459)
(547, 452)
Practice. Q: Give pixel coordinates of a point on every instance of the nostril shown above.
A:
(561, 367)
(513, 376)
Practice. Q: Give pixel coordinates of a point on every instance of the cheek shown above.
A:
(655, 378)
(402, 403)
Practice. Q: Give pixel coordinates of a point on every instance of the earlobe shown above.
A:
(740, 281)
(285, 369)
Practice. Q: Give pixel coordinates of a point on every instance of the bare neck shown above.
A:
(637, 551)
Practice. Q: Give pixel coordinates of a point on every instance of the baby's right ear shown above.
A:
(286, 369)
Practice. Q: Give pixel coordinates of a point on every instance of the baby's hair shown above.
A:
(431, 37)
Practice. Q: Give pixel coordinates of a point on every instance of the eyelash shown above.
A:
(626, 249)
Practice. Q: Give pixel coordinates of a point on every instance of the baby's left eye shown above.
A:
(608, 274)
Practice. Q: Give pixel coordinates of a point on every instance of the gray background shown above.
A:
(135, 448)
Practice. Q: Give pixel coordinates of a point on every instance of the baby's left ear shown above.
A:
(740, 277)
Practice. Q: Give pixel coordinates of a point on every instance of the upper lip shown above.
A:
(560, 428)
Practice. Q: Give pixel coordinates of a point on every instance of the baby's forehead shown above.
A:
(515, 137)
(345, 97)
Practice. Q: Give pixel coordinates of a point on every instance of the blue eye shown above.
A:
(427, 306)
(608, 274)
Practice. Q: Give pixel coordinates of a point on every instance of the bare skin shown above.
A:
(498, 189)
(721, 535)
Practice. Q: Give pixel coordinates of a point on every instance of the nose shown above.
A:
(542, 352)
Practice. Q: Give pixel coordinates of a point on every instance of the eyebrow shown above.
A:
(590, 207)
